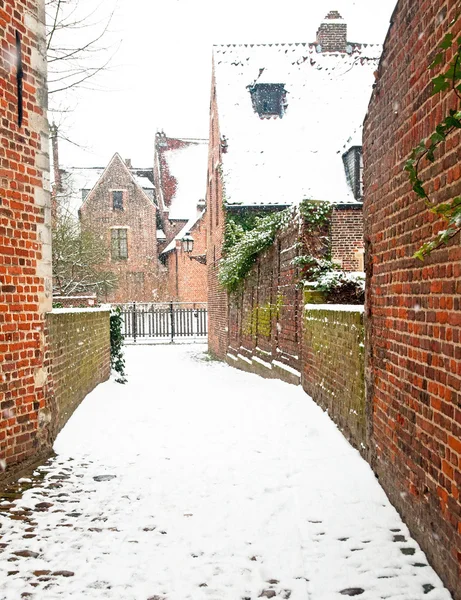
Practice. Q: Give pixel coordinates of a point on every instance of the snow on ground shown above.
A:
(197, 481)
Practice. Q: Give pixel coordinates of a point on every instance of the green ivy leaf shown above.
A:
(437, 60)
(439, 84)
(418, 188)
(447, 41)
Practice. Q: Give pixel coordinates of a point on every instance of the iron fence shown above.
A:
(164, 321)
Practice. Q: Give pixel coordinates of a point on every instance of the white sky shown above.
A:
(160, 77)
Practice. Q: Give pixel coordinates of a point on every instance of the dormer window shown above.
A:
(353, 165)
(268, 99)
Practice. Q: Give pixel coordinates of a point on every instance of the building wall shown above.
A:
(79, 357)
(265, 322)
(217, 296)
(139, 277)
(166, 184)
(347, 246)
(333, 367)
(25, 236)
(414, 313)
(187, 277)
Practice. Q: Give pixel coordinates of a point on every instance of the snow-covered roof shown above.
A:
(187, 227)
(183, 165)
(283, 160)
(160, 235)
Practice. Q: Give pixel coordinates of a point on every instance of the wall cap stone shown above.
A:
(359, 308)
(60, 311)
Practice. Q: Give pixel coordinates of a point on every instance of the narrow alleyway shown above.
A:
(197, 481)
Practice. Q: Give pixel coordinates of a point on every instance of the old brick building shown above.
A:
(413, 307)
(25, 221)
(275, 140)
(120, 209)
(180, 167)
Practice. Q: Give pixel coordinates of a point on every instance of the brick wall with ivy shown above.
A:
(265, 311)
(265, 316)
(413, 306)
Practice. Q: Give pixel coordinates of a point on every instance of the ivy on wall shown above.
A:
(245, 247)
(248, 234)
(448, 79)
(117, 360)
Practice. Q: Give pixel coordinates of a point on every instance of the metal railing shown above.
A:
(165, 320)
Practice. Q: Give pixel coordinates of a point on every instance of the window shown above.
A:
(353, 165)
(268, 99)
(117, 200)
(119, 244)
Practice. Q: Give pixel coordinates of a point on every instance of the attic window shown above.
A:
(268, 99)
(353, 165)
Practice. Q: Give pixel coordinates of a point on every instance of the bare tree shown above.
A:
(77, 258)
(76, 49)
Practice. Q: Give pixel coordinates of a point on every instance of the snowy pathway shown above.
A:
(197, 481)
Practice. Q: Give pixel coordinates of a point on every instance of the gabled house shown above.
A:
(180, 167)
(119, 207)
(280, 114)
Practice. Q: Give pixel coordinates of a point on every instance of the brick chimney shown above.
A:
(332, 33)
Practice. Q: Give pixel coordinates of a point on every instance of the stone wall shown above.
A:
(78, 358)
(25, 233)
(333, 367)
(413, 307)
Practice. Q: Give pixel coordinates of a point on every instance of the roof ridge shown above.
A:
(270, 44)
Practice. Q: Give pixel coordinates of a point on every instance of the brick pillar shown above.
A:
(25, 235)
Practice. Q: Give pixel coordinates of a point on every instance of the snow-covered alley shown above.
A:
(197, 481)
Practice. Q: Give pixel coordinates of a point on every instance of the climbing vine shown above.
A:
(241, 256)
(449, 79)
(315, 213)
(246, 235)
(323, 275)
(117, 361)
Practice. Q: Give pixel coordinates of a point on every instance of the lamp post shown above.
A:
(188, 245)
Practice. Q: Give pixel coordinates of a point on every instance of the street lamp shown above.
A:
(187, 243)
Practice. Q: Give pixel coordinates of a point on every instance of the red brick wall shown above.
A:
(414, 312)
(25, 251)
(265, 315)
(347, 247)
(217, 296)
(333, 367)
(187, 277)
(79, 358)
(139, 277)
